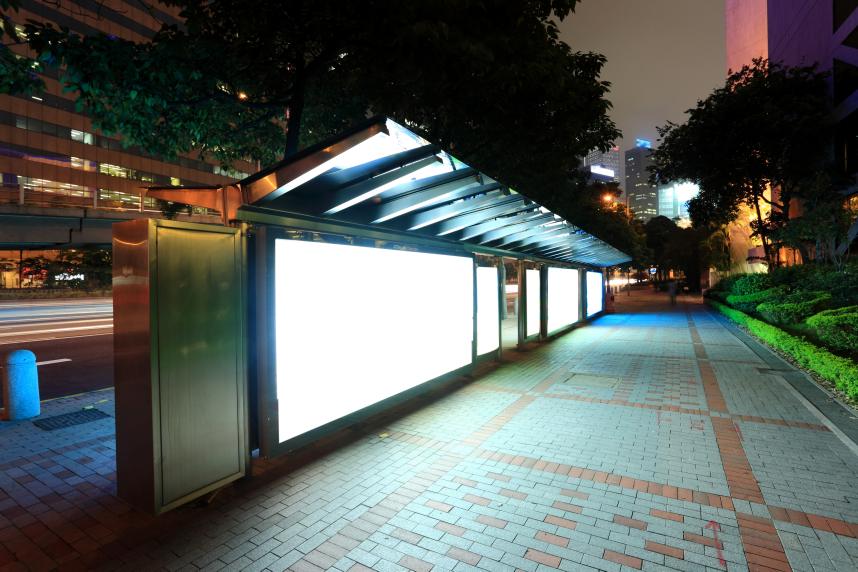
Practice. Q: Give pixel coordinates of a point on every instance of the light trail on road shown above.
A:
(72, 340)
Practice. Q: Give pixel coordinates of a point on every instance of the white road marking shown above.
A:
(53, 361)
(52, 339)
(52, 330)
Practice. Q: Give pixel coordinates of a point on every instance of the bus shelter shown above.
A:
(364, 270)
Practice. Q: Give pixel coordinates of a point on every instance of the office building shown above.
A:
(673, 201)
(805, 32)
(641, 195)
(604, 165)
(62, 182)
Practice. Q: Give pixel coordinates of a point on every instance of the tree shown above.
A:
(659, 232)
(254, 79)
(826, 226)
(753, 141)
(595, 207)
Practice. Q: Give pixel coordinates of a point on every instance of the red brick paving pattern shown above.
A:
(80, 520)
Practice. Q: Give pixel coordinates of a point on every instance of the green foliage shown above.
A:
(795, 307)
(840, 371)
(838, 327)
(259, 79)
(826, 222)
(751, 283)
(842, 283)
(726, 284)
(768, 127)
(610, 221)
(749, 302)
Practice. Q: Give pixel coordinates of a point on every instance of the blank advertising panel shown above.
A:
(488, 312)
(563, 297)
(534, 301)
(594, 293)
(356, 325)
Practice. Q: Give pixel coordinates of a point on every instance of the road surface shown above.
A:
(72, 340)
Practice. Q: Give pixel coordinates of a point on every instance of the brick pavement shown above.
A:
(652, 439)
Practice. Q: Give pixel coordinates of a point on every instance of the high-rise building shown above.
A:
(798, 33)
(805, 32)
(641, 195)
(61, 181)
(673, 201)
(605, 164)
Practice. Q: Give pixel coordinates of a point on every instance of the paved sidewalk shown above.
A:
(652, 439)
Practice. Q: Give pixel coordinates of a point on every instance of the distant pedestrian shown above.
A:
(671, 290)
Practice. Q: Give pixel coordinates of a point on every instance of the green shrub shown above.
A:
(748, 302)
(726, 283)
(795, 307)
(842, 284)
(840, 371)
(751, 284)
(838, 327)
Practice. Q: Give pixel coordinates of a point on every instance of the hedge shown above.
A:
(795, 307)
(751, 283)
(840, 371)
(839, 327)
(748, 302)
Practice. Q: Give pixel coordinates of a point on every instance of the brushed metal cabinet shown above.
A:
(179, 313)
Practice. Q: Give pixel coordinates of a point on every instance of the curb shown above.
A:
(836, 415)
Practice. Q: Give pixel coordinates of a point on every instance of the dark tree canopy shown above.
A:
(255, 79)
(769, 127)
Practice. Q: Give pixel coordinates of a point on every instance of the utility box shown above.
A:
(180, 371)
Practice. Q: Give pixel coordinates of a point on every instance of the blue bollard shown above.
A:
(20, 385)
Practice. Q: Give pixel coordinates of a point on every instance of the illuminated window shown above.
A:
(33, 184)
(175, 181)
(356, 325)
(488, 313)
(534, 301)
(82, 137)
(115, 171)
(118, 199)
(563, 297)
(82, 164)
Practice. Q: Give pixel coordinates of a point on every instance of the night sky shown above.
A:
(663, 55)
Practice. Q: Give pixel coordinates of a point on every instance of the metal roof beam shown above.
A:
(415, 201)
(536, 240)
(437, 214)
(515, 229)
(500, 222)
(516, 203)
(354, 194)
(542, 230)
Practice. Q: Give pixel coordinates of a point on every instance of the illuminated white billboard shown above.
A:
(356, 325)
(563, 297)
(488, 311)
(534, 301)
(594, 293)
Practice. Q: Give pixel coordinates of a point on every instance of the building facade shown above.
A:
(61, 181)
(605, 164)
(798, 33)
(673, 201)
(641, 195)
(805, 32)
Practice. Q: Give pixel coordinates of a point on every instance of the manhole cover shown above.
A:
(70, 419)
(589, 380)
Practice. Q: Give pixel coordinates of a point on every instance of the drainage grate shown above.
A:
(70, 419)
(595, 381)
